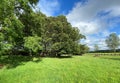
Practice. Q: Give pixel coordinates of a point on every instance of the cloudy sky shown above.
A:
(96, 19)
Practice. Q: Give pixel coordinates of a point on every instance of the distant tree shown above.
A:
(113, 41)
(96, 47)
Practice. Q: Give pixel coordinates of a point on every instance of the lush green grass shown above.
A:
(78, 69)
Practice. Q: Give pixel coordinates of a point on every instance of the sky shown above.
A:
(96, 19)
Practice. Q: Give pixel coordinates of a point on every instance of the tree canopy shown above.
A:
(21, 28)
(113, 41)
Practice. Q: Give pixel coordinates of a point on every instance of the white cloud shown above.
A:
(91, 41)
(87, 28)
(87, 14)
(49, 7)
(92, 18)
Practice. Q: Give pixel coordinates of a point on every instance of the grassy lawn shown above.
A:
(77, 69)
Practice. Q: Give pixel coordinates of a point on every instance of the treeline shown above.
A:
(23, 31)
(105, 51)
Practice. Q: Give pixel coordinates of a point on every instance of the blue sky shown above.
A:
(96, 19)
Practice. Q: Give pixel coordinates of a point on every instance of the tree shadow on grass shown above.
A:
(62, 57)
(59, 57)
(14, 61)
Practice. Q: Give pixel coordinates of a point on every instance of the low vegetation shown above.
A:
(76, 69)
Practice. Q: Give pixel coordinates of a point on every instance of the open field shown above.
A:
(77, 69)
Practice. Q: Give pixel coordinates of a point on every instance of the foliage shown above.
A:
(60, 36)
(113, 41)
(33, 44)
(22, 28)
